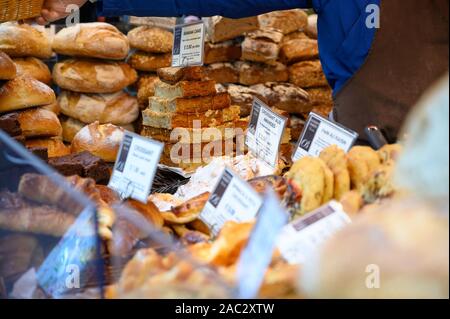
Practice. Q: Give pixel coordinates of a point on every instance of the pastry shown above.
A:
(55, 146)
(172, 75)
(146, 88)
(223, 73)
(222, 29)
(185, 89)
(254, 73)
(151, 39)
(38, 122)
(299, 50)
(93, 76)
(227, 51)
(189, 106)
(150, 62)
(24, 92)
(285, 21)
(23, 40)
(96, 40)
(100, 140)
(7, 67)
(187, 212)
(117, 108)
(34, 68)
(307, 74)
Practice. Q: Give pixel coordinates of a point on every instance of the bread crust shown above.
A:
(172, 75)
(93, 76)
(24, 92)
(285, 21)
(7, 67)
(299, 50)
(150, 62)
(34, 68)
(54, 146)
(151, 39)
(307, 74)
(22, 40)
(185, 89)
(191, 105)
(96, 40)
(39, 122)
(254, 73)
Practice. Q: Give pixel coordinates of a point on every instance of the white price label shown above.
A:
(189, 45)
(320, 133)
(265, 132)
(135, 167)
(301, 238)
(257, 256)
(232, 200)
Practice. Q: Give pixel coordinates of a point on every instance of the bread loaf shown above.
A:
(54, 107)
(223, 73)
(96, 40)
(286, 21)
(227, 51)
(262, 46)
(311, 29)
(190, 106)
(34, 68)
(23, 92)
(172, 120)
(284, 96)
(55, 146)
(151, 39)
(296, 35)
(146, 88)
(7, 67)
(101, 140)
(38, 122)
(307, 74)
(70, 128)
(174, 75)
(22, 40)
(117, 108)
(93, 76)
(299, 50)
(243, 96)
(150, 62)
(320, 95)
(254, 73)
(185, 89)
(222, 29)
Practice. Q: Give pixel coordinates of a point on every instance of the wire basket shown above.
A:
(14, 10)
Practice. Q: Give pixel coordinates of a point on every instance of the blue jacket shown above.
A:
(344, 38)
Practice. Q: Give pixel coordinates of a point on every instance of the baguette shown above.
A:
(190, 106)
(209, 119)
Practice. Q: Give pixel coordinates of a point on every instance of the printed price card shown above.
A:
(189, 44)
(135, 167)
(302, 237)
(319, 133)
(232, 200)
(265, 132)
(257, 256)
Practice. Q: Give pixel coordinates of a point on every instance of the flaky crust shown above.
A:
(117, 108)
(151, 39)
(150, 62)
(101, 140)
(39, 122)
(93, 76)
(34, 68)
(23, 92)
(96, 40)
(54, 146)
(22, 40)
(7, 67)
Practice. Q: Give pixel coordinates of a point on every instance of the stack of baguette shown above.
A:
(28, 108)
(190, 117)
(93, 80)
(154, 51)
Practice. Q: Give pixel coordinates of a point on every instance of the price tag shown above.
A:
(189, 44)
(232, 200)
(319, 133)
(135, 167)
(265, 132)
(257, 256)
(301, 238)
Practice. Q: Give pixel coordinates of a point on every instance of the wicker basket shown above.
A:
(14, 10)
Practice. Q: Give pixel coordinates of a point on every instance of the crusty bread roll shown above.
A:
(21, 40)
(101, 140)
(7, 67)
(70, 127)
(93, 76)
(150, 62)
(38, 122)
(54, 107)
(146, 88)
(117, 108)
(286, 21)
(34, 68)
(151, 39)
(97, 40)
(55, 146)
(23, 92)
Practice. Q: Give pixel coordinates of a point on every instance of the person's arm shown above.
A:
(200, 8)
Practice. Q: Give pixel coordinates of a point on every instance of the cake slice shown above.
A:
(174, 120)
(185, 89)
(192, 105)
